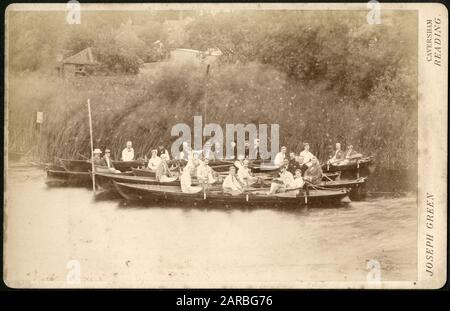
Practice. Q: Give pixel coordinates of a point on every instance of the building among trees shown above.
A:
(80, 64)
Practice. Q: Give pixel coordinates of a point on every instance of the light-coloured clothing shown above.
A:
(238, 164)
(154, 162)
(352, 154)
(279, 158)
(297, 183)
(307, 157)
(162, 172)
(128, 155)
(205, 174)
(232, 185)
(245, 177)
(287, 178)
(186, 182)
(285, 181)
(160, 152)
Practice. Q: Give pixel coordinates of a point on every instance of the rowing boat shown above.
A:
(356, 187)
(126, 166)
(86, 165)
(68, 178)
(353, 165)
(76, 165)
(106, 181)
(156, 193)
(143, 172)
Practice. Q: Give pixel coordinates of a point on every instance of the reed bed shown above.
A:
(143, 108)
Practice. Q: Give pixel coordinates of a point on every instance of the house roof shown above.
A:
(83, 57)
(188, 51)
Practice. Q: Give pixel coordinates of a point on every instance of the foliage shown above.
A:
(322, 76)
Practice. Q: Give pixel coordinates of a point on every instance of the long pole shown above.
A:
(92, 145)
(205, 107)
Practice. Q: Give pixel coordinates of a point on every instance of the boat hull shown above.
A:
(143, 172)
(353, 166)
(357, 187)
(76, 165)
(68, 178)
(150, 194)
(106, 181)
(126, 166)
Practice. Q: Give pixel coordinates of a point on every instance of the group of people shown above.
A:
(294, 169)
(342, 158)
(105, 163)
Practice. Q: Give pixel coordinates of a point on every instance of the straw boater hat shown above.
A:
(97, 150)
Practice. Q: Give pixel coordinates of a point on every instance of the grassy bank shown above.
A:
(144, 108)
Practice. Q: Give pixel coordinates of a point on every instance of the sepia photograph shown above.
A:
(225, 146)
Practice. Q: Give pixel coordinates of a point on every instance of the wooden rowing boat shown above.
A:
(143, 172)
(68, 178)
(126, 166)
(353, 165)
(76, 165)
(86, 166)
(106, 181)
(357, 187)
(156, 193)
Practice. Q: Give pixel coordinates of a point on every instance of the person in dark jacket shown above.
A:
(314, 173)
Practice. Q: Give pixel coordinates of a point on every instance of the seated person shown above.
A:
(298, 180)
(292, 163)
(306, 155)
(99, 161)
(186, 152)
(280, 184)
(314, 173)
(338, 155)
(303, 167)
(244, 174)
(108, 161)
(161, 150)
(218, 152)
(254, 151)
(286, 163)
(163, 173)
(352, 154)
(154, 161)
(280, 156)
(205, 174)
(231, 151)
(239, 162)
(231, 184)
(186, 180)
(128, 152)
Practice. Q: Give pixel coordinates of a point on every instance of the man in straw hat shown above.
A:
(98, 160)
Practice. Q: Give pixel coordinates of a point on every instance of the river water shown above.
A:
(52, 233)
